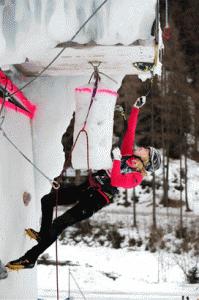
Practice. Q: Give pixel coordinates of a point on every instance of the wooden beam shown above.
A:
(74, 61)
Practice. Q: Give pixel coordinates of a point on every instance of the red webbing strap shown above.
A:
(98, 186)
(104, 195)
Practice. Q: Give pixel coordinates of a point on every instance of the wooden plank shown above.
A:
(74, 61)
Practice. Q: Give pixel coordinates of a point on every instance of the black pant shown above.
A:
(87, 201)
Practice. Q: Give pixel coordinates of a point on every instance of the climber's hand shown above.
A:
(116, 153)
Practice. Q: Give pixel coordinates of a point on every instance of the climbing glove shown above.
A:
(116, 153)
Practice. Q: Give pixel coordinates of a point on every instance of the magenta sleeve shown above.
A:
(129, 136)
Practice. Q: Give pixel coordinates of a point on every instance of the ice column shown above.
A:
(99, 127)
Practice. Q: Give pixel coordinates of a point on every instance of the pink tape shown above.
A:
(18, 109)
(90, 90)
(5, 82)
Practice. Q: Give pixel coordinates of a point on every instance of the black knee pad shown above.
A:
(64, 221)
(86, 213)
(46, 200)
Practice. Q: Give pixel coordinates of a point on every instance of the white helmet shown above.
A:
(154, 160)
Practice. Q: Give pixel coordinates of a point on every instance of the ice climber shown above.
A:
(129, 168)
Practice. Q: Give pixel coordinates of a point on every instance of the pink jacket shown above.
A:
(128, 180)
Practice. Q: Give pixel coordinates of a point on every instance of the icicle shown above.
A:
(57, 24)
(82, 14)
(20, 10)
(45, 40)
(36, 40)
(2, 39)
(24, 20)
(32, 8)
(3, 271)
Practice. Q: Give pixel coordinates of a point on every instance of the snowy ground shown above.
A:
(126, 273)
(104, 273)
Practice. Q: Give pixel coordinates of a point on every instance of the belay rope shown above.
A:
(82, 130)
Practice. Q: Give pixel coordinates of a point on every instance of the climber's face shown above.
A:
(142, 152)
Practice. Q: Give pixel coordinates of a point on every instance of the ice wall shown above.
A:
(29, 27)
(54, 97)
(16, 176)
(55, 100)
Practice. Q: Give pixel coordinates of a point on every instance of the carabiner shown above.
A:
(55, 184)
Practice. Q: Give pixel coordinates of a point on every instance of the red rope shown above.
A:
(97, 78)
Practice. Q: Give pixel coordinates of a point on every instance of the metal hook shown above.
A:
(95, 63)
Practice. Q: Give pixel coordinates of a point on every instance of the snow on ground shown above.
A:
(128, 272)
(102, 270)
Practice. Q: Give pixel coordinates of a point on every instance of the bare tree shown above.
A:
(134, 209)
